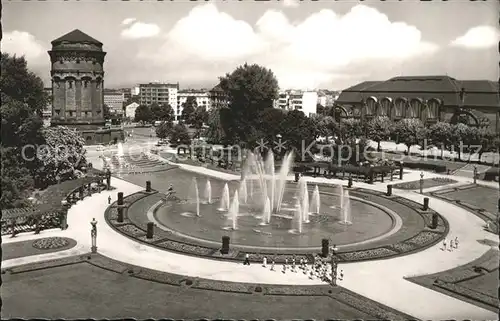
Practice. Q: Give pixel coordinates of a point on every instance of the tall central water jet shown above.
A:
(243, 191)
(305, 206)
(208, 192)
(233, 210)
(224, 200)
(196, 195)
(298, 217)
(266, 214)
(316, 202)
(346, 209)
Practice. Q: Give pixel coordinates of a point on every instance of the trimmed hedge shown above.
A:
(438, 168)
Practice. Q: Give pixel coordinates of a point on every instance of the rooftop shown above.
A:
(76, 36)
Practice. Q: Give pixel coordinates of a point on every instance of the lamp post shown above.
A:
(334, 265)
(93, 235)
(421, 182)
(64, 217)
(475, 174)
(278, 136)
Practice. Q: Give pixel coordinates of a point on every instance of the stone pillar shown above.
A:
(392, 174)
(297, 177)
(120, 198)
(225, 245)
(325, 247)
(382, 177)
(150, 230)
(401, 170)
(475, 174)
(120, 214)
(389, 190)
(148, 186)
(64, 219)
(434, 222)
(349, 182)
(426, 204)
(371, 177)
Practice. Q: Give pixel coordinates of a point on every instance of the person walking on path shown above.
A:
(444, 245)
(450, 249)
(456, 242)
(247, 260)
(272, 265)
(109, 199)
(264, 262)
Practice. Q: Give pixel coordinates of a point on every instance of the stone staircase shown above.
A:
(468, 170)
(137, 164)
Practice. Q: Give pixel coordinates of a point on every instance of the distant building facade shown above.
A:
(114, 99)
(202, 100)
(130, 110)
(77, 86)
(47, 111)
(158, 93)
(429, 98)
(218, 98)
(305, 101)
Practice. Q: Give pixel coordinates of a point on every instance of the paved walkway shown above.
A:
(380, 280)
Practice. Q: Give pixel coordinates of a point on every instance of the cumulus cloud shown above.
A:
(139, 30)
(128, 21)
(291, 3)
(23, 43)
(306, 53)
(478, 37)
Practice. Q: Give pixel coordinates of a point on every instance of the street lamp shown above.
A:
(421, 182)
(93, 235)
(334, 250)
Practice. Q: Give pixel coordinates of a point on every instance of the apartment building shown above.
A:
(114, 99)
(202, 97)
(158, 93)
(304, 101)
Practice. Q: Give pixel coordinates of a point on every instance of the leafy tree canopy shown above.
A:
(188, 109)
(143, 114)
(164, 130)
(180, 135)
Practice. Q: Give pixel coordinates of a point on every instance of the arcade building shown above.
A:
(78, 87)
(429, 98)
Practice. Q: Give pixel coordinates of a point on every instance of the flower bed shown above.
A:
(131, 230)
(423, 238)
(160, 277)
(458, 275)
(50, 243)
(182, 247)
(429, 182)
(223, 286)
(367, 254)
(404, 247)
(296, 290)
(130, 199)
(155, 238)
(280, 258)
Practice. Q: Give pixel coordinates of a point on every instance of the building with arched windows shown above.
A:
(77, 74)
(429, 98)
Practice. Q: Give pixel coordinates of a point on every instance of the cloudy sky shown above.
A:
(322, 44)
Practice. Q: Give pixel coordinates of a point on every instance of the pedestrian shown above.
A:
(264, 262)
(284, 268)
(451, 246)
(311, 275)
(272, 265)
(341, 275)
(444, 245)
(109, 199)
(247, 260)
(456, 242)
(293, 264)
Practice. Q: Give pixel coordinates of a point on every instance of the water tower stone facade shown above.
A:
(77, 73)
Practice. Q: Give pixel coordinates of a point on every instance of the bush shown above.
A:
(438, 168)
(491, 174)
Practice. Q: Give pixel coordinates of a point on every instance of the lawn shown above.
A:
(85, 291)
(25, 248)
(428, 183)
(480, 196)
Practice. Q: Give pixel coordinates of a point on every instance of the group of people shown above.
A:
(453, 244)
(317, 268)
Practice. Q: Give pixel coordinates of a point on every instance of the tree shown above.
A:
(23, 99)
(163, 112)
(215, 132)
(440, 134)
(143, 114)
(249, 90)
(164, 130)
(320, 109)
(350, 129)
(270, 122)
(410, 131)
(62, 155)
(188, 109)
(460, 136)
(379, 129)
(327, 127)
(298, 130)
(180, 135)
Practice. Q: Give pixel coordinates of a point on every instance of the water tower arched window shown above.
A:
(384, 107)
(399, 107)
(432, 109)
(371, 104)
(413, 108)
